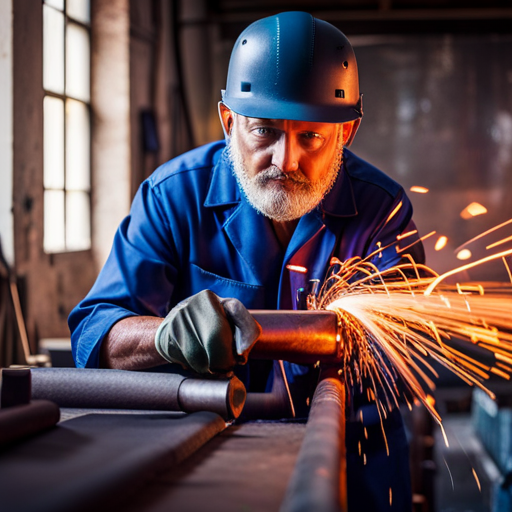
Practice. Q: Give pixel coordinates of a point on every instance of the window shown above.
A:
(67, 125)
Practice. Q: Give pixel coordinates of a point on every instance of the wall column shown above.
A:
(111, 165)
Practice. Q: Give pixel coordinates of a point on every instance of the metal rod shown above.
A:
(319, 480)
(121, 389)
(303, 337)
(276, 404)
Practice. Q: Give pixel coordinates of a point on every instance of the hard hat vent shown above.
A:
(245, 86)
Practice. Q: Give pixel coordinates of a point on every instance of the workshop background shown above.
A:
(94, 96)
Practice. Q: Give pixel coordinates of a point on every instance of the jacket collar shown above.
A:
(224, 190)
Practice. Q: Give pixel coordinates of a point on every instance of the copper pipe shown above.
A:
(303, 337)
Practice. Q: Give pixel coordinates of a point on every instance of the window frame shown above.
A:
(64, 97)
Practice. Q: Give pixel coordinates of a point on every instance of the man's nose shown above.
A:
(286, 154)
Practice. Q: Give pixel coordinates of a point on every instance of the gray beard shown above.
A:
(283, 196)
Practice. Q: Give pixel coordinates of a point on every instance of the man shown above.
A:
(235, 217)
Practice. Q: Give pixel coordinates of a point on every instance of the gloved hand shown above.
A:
(207, 334)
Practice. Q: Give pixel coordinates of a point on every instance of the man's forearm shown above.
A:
(130, 344)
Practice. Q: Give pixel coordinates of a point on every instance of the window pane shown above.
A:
(78, 162)
(78, 231)
(53, 112)
(54, 221)
(58, 4)
(79, 10)
(53, 50)
(77, 62)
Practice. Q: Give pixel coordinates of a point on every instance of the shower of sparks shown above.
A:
(485, 233)
(395, 320)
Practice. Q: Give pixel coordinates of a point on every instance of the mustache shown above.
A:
(274, 173)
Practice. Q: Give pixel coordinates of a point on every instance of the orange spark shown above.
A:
(468, 288)
(509, 272)
(477, 480)
(419, 190)
(465, 254)
(405, 235)
(424, 237)
(466, 267)
(495, 244)
(485, 233)
(297, 268)
(472, 210)
(394, 212)
(441, 243)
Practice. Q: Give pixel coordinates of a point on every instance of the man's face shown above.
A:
(284, 167)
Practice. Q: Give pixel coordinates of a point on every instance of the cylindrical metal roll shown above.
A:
(319, 478)
(21, 421)
(303, 337)
(120, 389)
(207, 395)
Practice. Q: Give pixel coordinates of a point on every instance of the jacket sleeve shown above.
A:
(138, 278)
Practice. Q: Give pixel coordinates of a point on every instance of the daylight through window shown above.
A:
(67, 125)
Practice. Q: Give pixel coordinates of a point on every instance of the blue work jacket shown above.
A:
(190, 228)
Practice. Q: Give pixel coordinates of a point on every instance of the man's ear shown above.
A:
(349, 131)
(226, 118)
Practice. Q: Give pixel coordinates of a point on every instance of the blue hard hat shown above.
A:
(293, 66)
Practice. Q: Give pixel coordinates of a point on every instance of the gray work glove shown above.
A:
(207, 334)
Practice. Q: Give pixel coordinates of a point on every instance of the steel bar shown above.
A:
(93, 461)
(303, 337)
(120, 389)
(319, 479)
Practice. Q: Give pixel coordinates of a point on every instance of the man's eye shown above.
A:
(264, 131)
(312, 140)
